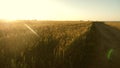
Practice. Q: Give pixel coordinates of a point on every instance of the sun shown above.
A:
(11, 10)
(9, 20)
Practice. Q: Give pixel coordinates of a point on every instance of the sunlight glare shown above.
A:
(35, 9)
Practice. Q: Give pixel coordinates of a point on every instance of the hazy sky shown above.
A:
(60, 9)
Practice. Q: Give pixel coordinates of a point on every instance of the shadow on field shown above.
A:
(89, 50)
(93, 51)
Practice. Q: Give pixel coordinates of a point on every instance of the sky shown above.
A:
(102, 10)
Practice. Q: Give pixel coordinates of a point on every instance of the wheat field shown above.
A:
(59, 44)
